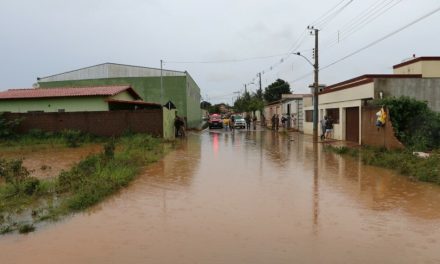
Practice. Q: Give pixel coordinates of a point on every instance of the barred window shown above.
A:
(334, 114)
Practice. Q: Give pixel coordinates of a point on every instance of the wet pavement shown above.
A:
(248, 197)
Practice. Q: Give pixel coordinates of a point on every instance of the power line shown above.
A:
(226, 61)
(360, 21)
(322, 24)
(382, 38)
(372, 43)
(373, 17)
(326, 13)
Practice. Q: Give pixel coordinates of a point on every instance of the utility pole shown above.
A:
(161, 82)
(261, 89)
(315, 32)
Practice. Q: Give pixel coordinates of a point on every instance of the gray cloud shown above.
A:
(50, 36)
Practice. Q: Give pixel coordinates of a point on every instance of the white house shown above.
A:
(344, 102)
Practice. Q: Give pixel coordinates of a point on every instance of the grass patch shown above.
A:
(402, 161)
(38, 139)
(84, 185)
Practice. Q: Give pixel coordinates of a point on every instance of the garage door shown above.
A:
(352, 124)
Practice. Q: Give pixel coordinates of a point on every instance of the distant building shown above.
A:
(292, 105)
(179, 87)
(347, 102)
(270, 109)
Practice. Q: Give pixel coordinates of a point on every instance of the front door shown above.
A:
(352, 124)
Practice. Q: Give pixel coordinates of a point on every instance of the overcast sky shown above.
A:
(45, 37)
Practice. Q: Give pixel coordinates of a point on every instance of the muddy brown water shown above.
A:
(254, 197)
(48, 162)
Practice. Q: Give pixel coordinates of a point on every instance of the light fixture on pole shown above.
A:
(315, 83)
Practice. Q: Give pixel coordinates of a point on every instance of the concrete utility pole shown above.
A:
(161, 82)
(259, 76)
(315, 32)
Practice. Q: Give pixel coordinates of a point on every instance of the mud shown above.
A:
(48, 162)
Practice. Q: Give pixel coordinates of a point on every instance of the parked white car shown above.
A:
(239, 121)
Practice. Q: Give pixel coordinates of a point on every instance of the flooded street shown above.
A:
(252, 197)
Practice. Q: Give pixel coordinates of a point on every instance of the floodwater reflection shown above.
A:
(248, 197)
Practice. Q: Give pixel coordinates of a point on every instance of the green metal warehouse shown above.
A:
(177, 86)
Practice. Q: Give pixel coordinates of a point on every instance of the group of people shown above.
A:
(326, 127)
(275, 122)
(229, 123)
(248, 122)
(287, 121)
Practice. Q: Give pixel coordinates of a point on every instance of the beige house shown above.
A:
(271, 109)
(292, 105)
(346, 101)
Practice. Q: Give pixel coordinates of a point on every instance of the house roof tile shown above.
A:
(66, 92)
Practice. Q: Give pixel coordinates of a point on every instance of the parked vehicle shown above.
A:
(239, 121)
(215, 121)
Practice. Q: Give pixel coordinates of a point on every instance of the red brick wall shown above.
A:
(113, 123)
(378, 137)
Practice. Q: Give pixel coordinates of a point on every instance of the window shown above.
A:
(334, 114)
(309, 115)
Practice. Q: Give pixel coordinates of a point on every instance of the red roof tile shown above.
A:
(66, 92)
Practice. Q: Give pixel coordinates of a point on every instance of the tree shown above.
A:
(243, 102)
(205, 105)
(274, 91)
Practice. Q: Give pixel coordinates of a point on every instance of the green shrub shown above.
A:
(73, 138)
(7, 127)
(13, 171)
(26, 228)
(30, 185)
(109, 149)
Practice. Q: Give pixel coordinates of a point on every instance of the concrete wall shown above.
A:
(351, 94)
(168, 123)
(423, 89)
(374, 136)
(69, 104)
(428, 69)
(109, 70)
(413, 68)
(175, 89)
(106, 123)
(342, 99)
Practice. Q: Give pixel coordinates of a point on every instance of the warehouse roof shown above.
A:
(66, 92)
(110, 70)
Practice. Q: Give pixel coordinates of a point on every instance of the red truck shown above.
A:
(215, 121)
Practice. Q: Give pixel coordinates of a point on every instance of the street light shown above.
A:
(315, 93)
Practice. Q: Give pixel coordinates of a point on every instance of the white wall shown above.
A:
(350, 97)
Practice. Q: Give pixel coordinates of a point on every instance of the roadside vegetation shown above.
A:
(26, 201)
(418, 128)
(401, 161)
